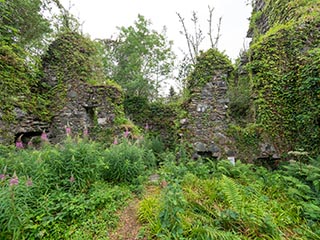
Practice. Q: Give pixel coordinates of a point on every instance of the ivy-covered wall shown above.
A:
(72, 56)
(70, 91)
(81, 97)
(22, 106)
(284, 73)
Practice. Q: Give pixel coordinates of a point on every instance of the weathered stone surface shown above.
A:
(262, 22)
(267, 150)
(207, 121)
(74, 103)
(200, 147)
(84, 107)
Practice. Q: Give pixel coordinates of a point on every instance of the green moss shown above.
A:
(208, 64)
(73, 56)
(285, 75)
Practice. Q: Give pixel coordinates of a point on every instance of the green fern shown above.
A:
(232, 192)
(210, 233)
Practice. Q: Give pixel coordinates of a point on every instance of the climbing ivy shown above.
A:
(19, 80)
(72, 56)
(209, 63)
(285, 74)
(276, 12)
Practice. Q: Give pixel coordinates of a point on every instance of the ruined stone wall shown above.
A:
(207, 119)
(70, 100)
(259, 20)
(25, 125)
(282, 57)
(84, 107)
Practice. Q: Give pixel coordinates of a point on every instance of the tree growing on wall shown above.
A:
(194, 39)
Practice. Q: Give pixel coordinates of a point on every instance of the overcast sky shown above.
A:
(101, 18)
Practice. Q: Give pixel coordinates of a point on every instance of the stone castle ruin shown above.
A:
(77, 104)
(74, 103)
(207, 122)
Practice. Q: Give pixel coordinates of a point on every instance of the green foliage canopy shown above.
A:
(22, 21)
(139, 59)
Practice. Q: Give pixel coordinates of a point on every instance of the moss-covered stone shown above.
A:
(209, 64)
(285, 75)
(72, 93)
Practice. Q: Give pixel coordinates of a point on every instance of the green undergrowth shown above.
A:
(207, 200)
(73, 190)
(160, 117)
(76, 189)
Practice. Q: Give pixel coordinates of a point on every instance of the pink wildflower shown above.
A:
(29, 182)
(72, 179)
(19, 144)
(147, 126)
(115, 142)
(68, 131)
(14, 180)
(44, 136)
(126, 133)
(30, 144)
(85, 132)
(2, 177)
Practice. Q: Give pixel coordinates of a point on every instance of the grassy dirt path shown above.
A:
(129, 225)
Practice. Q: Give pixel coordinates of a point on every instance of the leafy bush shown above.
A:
(75, 165)
(171, 212)
(81, 216)
(155, 144)
(175, 166)
(125, 161)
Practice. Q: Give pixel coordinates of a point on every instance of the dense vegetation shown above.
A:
(76, 189)
(283, 75)
(207, 200)
(73, 191)
(68, 191)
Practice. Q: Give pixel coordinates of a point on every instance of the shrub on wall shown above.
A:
(73, 56)
(209, 63)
